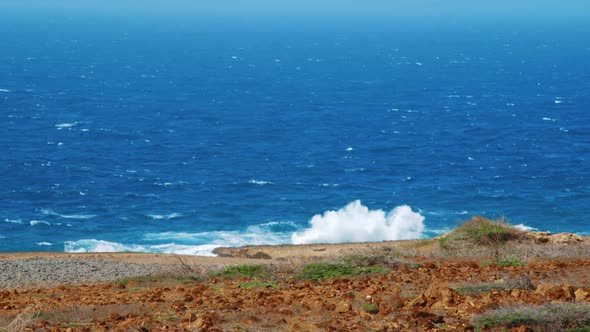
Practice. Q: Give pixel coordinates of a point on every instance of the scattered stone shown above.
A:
(581, 294)
(565, 238)
(560, 293)
(343, 307)
(437, 296)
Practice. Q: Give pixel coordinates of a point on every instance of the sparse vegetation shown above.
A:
(371, 308)
(23, 319)
(523, 283)
(508, 261)
(579, 329)
(481, 232)
(365, 285)
(247, 271)
(323, 271)
(548, 317)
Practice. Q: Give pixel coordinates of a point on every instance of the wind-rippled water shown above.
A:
(182, 135)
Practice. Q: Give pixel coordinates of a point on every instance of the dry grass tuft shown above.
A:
(22, 320)
(481, 233)
(547, 317)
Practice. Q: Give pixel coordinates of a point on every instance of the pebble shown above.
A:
(38, 272)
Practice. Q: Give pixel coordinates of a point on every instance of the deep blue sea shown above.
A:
(165, 134)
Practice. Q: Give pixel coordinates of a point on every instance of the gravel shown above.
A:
(38, 272)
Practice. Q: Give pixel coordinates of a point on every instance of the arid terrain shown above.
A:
(483, 276)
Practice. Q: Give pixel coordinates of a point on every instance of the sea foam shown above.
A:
(165, 216)
(49, 212)
(93, 245)
(260, 182)
(356, 223)
(185, 243)
(65, 125)
(38, 222)
(13, 221)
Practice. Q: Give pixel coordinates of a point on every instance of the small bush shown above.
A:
(480, 232)
(248, 271)
(485, 232)
(508, 261)
(323, 271)
(523, 283)
(371, 308)
(548, 317)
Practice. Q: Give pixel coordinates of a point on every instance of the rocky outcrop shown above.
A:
(559, 238)
(437, 296)
(241, 253)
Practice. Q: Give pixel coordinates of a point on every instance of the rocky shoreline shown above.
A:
(452, 283)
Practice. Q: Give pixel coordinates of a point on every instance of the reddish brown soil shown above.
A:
(422, 294)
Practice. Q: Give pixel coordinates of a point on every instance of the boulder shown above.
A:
(565, 238)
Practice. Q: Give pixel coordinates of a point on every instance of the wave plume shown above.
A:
(356, 223)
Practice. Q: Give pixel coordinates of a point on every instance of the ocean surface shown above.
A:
(180, 135)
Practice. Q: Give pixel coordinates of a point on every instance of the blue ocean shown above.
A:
(179, 134)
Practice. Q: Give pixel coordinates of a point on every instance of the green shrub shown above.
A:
(508, 261)
(370, 308)
(480, 232)
(323, 271)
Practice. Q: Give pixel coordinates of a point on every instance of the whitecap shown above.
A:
(260, 182)
(44, 243)
(438, 232)
(165, 216)
(5, 90)
(524, 227)
(349, 148)
(39, 222)
(179, 249)
(262, 234)
(548, 119)
(356, 223)
(60, 126)
(13, 221)
(361, 169)
(93, 245)
(202, 243)
(49, 212)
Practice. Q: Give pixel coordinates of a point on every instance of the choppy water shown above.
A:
(182, 135)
